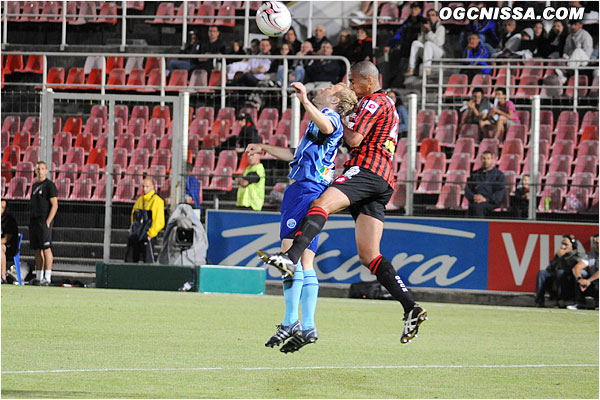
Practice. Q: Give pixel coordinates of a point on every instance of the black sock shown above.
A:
(312, 225)
(386, 275)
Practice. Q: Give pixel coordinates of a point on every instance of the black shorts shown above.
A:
(11, 252)
(368, 192)
(40, 236)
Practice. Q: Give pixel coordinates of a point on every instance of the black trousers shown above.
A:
(140, 251)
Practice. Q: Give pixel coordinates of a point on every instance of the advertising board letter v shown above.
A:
(519, 268)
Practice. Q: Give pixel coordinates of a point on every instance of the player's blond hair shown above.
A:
(347, 98)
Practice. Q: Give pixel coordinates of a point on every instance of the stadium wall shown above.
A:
(428, 252)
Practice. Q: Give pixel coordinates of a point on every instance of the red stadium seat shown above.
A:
(222, 128)
(547, 118)
(279, 141)
(153, 83)
(156, 126)
(68, 170)
(588, 148)
(526, 92)
(136, 173)
(481, 81)
(429, 145)
(108, 13)
(465, 145)
(398, 199)
(122, 112)
(140, 112)
(178, 81)
(97, 156)
(205, 159)
(165, 141)
(199, 78)
(448, 117)
(205, 15)
(147, 141)
(120, 157)
(7, 172)
(431, 181)
(227, 114)
(84, 140)
(207, 113)
(199, 127)
(460, 161)
(449, 197)
(164, 14)
(588, 133)
(570, 118)
(12, 154)
(563, 147)
(271, 114)
(140, 157)
(203, 175)
(91, 171)
(35, 65)
(17, 189)
(14, 62)
(152, 63)
(125, 141)
(11, 124)
(25, 169)
(57, 155)
(458, 85)
(586, 164)
(191, 7)
(32, 154)
(50, 11)
(211, 141)
(446, 135)
(560, 163)
(73, 125)
(227, 158)
(435, 160)
(87, 13)
(117, 79)
(513, 146)
(582, 90)
(22, 139)
(541, 165)
(222, 179)
(136, 127)
(76, 155)
(517, 132)
(125, 191)
(510, 162)
(556, 196)
(457, 177)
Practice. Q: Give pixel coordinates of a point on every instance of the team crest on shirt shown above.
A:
(291, 223)
(371, 106)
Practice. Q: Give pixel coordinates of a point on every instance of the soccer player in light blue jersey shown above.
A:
(312, 165)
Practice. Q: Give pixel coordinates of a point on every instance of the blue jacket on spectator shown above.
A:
(489, 184)
(487, 29)
(479, 52)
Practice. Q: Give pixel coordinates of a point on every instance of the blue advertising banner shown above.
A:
(434, 252)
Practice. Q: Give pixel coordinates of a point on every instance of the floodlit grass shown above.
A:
(94, 343)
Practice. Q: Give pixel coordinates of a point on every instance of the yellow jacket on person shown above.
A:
(156, 205)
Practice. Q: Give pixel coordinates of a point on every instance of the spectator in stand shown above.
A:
(578, 46)
(509, 41)
(324, 72)
(362, 49)
(237, 48)
(429, 44)
(477, 108)
(528, 47)
(504, 113)
(402, 113)
(486, 30)
(254, 46)
(400, 44)
(147, 220)
(214, 45)
(319, 37)
(192, 187)
(475, 50)
(299, 66)
(557, 279)
(345, 45)
(251, 193)
(10, 238)
(44, 205)
(485, 187)
(285, 50)
(519, 207)
(586, 275)
(361, 16)
(256, 67)
(539, 38)
(291, 38)
(554, 45)
(248, 134)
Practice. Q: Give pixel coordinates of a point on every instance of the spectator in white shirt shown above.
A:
(429, 45)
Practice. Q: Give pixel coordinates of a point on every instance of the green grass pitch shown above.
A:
(93, 343)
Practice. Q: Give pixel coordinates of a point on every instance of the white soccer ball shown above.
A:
(273, 18)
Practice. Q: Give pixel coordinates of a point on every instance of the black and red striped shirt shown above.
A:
(376, 119)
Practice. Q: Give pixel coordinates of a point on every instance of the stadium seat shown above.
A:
(205, 159)
(193, 143)
(97, 156)
(179, 15)
(75, 79)
(135, 5)
(73, 125)
(5, 140)
(7, 171)
(577, 200)
(35, 65)
(271, 114)
(153, 83)
(87, 13)
(481, 81)
(152, 63)
(582, 90)
(82, 190)
(159, 174)
(156, 126)
(449, 197)
(457, 177)
(108, 10)
(590, 118)
(136, 173)
(136, 127)
(12, 154)
(14, 62)
(207, 113)
(588, 148)
(125, 191)
(122, 112)
(164, 14)
(563, 147)
(99, 111)
(567, 118)
(460, 161)
(198, 79)
(57, 155)
(582, 179)
(429, 145)
(526, 92)
(11, 124)
(51, 12)
(222, 179)
(560, 163)
(287, 115)
(513, 146)
(488, 144)
(178, 81)
(586, 164)
(140, 112)
(457, 86)
(403, 164)
(120, 157)
(446, 135)
(426, 117)
(68, 170)
(165, 141)
(100, 190)
(84, 140)
(147, 141)
(278, 141)
(222, 128)
(2, 187)
(547, 118)
(398, 199)
(517, 132)
(424, 131)
(556, 196)
(227, 158)
(116, 79)
(510, 162)
(31, 154)
(204, 14)
(435, 160)
(125, 141)
(22, 139)
(227, 114)
(140, 157)
(465, 145)
(25, 169)
(448, 117)
(17, 189)
(203, 175)
(55, 78)
(431, 181)
(91, 171)
(215, 78)
(199, 127)
(211, 141)
(589, 133)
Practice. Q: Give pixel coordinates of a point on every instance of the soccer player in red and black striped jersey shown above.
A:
(365, 187)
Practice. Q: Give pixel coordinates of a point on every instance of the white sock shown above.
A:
(48, 275)
(39, 274)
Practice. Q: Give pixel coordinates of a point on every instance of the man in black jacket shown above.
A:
(485, 187)
(557, 278)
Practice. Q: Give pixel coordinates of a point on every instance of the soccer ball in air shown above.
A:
(273, 18)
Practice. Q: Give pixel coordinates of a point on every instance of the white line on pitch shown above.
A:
(66, 371)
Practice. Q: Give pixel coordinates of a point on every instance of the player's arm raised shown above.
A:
(351, 137)
(281, 153)
(320, 119)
